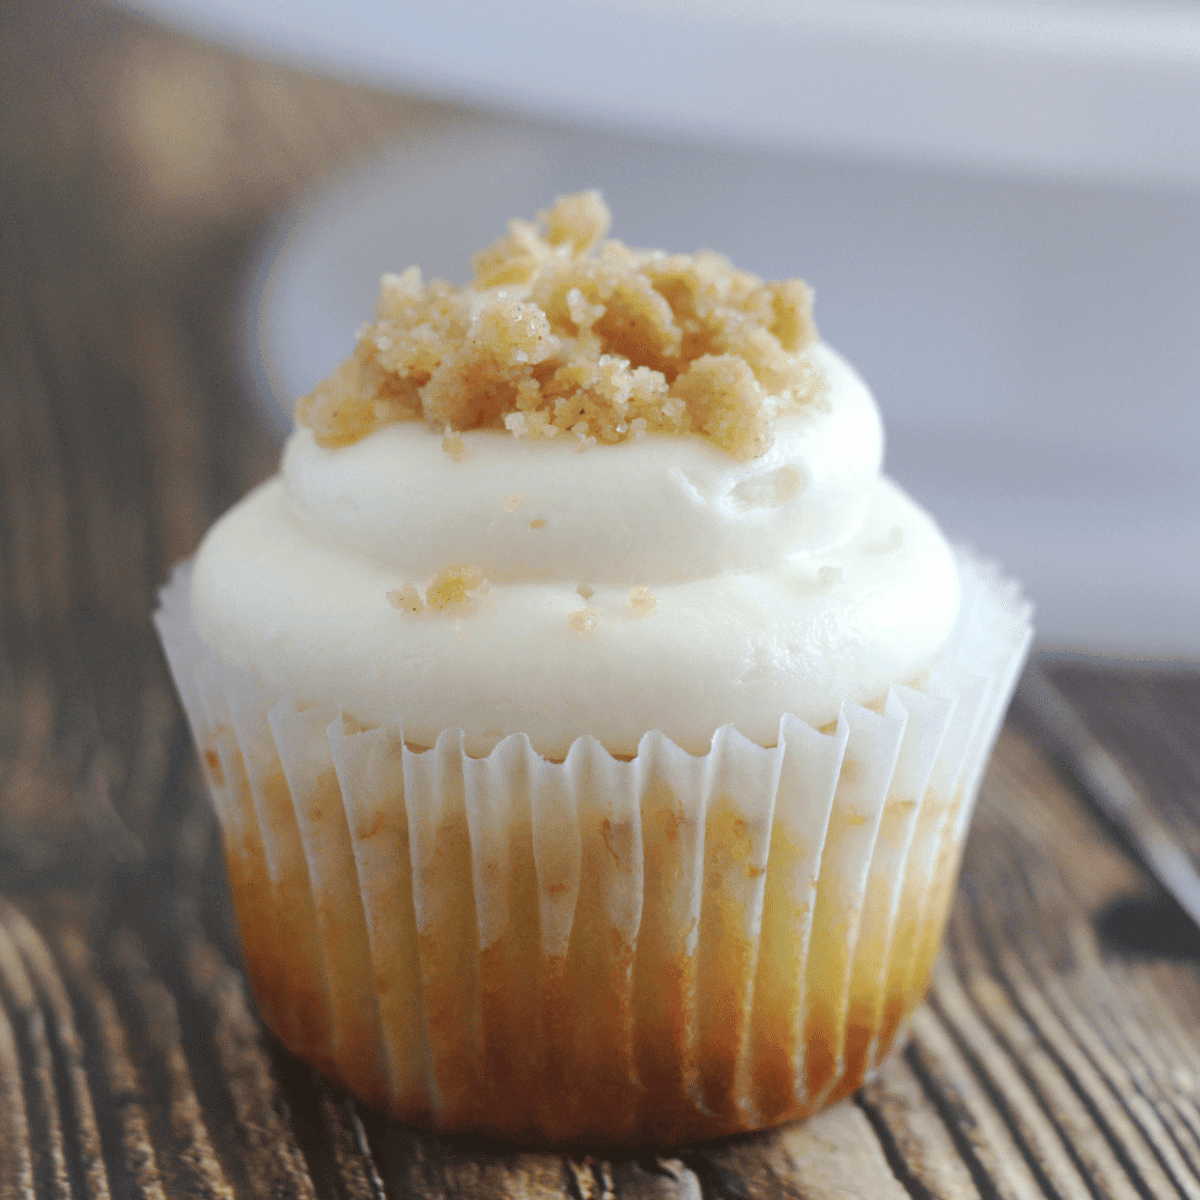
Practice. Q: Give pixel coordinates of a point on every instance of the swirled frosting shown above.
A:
(660, 583)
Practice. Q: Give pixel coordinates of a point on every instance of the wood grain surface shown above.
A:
(1059, 1053)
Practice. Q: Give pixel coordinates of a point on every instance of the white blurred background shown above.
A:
(997, 203)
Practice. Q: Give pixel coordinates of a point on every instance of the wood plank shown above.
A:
(1059, 1055)
(84, 1148)
(992, 1146)
(920, 1149)
(264, 1141)
(16, 1163)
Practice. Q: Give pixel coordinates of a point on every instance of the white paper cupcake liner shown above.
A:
(599, 950)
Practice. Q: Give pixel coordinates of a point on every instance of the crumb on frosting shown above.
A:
(538, 523)
(583, 620)
(642, 600)
(565, 331)
(406, 598)
(586, 590)
(452, 586)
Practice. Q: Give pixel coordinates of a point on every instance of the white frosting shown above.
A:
(785, 584)
(658, 510)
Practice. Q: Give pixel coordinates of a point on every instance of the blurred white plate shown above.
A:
(1032, 344)
(1067, 86)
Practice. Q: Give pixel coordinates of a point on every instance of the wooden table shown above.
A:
(1059, 1054)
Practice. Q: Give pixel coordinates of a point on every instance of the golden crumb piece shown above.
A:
(452, 444)
(453, 585)
(726, 401)
(583, 620)
(406, 598)
(642, 600)
(586, 590)
(581, 335)
(578, 221)
(538, 523)
(512, 502)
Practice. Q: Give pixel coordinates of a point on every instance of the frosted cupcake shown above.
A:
(592, 728)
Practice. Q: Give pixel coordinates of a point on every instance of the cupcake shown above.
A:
(592, 728)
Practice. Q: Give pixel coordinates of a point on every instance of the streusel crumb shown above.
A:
(406, 598)
(565, 331)
(453, 585)
(642, 600)
(583, 620)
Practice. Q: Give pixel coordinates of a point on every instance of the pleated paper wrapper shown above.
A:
(637, 952)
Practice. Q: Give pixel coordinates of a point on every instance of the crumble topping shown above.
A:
(406, 598)
(451, 586)
(642, 600)
(583, 620)
(565, 331)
